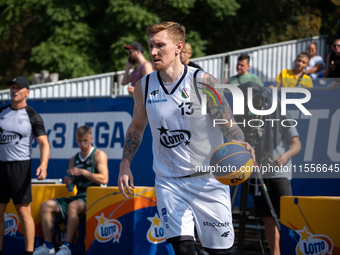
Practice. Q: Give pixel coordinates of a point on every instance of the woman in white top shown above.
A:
(316, 63)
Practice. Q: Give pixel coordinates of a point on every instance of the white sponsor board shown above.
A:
(108, 131)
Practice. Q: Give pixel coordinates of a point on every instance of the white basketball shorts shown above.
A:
(203, 202)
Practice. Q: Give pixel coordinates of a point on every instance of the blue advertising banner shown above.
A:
(316, 166)
(109, 119)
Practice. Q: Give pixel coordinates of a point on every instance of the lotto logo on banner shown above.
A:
(155, 233)
(310, 225)
(310, 244)
(107, 229)
(11, 224)
(108, 132)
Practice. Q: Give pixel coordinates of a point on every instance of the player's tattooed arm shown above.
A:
(131, 145)
(223, 111)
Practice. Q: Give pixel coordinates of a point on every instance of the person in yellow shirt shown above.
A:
(295, 77)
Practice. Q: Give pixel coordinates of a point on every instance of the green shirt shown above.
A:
(245, 78)
(81, 182)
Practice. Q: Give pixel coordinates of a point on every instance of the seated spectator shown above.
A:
(186, 55)
(333, 64)
(295, 77)
(316, 63)
(88, 168)
(243, 75)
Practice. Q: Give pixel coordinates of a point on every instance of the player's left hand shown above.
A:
(248, 147)
(41, 173)
(75, 171)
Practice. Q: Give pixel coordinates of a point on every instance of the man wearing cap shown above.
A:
(143, 67)
(19, 124)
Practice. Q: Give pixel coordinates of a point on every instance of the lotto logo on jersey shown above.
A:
(107, 229)
(11, 224)
(9, 137)
(173, 138)
(155, 233)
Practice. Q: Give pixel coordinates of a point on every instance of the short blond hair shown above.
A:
(175, 31)
(187, 48)
(83, 130)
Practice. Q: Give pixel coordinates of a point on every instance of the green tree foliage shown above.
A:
(78, 38)
(263, 22)
(83, 37)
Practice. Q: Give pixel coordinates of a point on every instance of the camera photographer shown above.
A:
(275, 145)
(278, 184)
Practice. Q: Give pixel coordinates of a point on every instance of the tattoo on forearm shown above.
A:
(131, 145)
(230, 130)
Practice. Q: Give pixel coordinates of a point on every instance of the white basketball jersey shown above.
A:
(183, 138)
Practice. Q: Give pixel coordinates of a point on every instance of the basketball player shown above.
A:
(182, 139)
(88, 168)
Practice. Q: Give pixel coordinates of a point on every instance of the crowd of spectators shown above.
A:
(310, 70)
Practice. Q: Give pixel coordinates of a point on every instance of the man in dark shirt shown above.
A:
(19, 124)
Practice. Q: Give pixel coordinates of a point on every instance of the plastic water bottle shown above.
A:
(70, 186)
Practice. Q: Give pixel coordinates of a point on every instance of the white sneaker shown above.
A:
(64, 250)
(43, 250)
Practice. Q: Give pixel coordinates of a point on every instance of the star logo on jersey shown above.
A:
(174, 138)
(7, 137)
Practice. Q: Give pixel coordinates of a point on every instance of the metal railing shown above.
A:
(106, 84)
(266, 62)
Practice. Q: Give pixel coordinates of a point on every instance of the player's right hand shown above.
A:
(125, 176)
